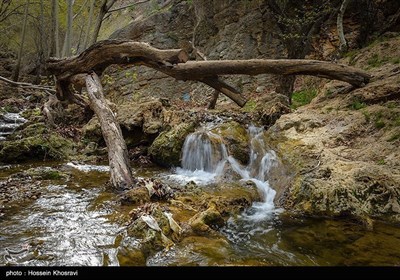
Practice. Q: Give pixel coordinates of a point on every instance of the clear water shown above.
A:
(72, 223)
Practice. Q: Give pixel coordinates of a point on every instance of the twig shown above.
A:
(27, 85)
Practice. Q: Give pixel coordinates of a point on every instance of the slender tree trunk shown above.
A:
(105, 6)
(42, 52)
(21, 47)
(342, 39)
(286, 85)
(89, 25)
(120, 170)
(68, 35)
(55, 43)
(214, 99)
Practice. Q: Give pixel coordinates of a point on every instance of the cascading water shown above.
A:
(261, 161)
(205, 158)
(9, 122)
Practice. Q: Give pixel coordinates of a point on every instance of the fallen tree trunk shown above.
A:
(196, 70)
(174, 63)
(120, 170)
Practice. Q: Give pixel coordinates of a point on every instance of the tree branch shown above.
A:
(174, 63)
(27, 85)
(128, 6)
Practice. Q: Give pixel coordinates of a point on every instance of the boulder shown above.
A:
(167, 147)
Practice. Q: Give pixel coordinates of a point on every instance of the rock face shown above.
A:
(219, 29)
(140, 122)
(344, 145)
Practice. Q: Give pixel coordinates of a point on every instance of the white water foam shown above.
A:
(88, 167)
(205, 158)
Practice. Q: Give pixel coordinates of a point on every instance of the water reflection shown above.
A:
(58, 229)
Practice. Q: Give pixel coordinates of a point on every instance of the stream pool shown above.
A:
(72, 222)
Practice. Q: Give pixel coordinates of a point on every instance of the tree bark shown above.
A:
(342, 39)
(89, 24)
(21, 47)
(173, 63)
(55, 45)
(105, 6)
(120, 170)
(68, 34)
(214, 99)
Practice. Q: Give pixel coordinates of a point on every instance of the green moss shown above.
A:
(302, 97)
(236, 140)
(10, 109)
(40, 147)
(166, 148)
(376, 61)
(381, 162)
(396, 121)
(357, 105)
(395, 60)
(379, 123)
(351, 55)
(250, 106)
(27, 114)
(394, 137)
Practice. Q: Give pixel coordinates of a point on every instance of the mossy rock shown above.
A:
(167, 147)
(46, 173)
(50, 146)
(236, 139)
(204, 221)
(92, 131)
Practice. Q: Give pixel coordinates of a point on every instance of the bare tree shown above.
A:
(7, 9)
(68, 34)
(55, 42)
(105, 7)
(298, 25)
(342, 39)
(89, 24)
(21, 46)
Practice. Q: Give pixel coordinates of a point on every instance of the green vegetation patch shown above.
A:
(250, 106)
(303, 97)
(357, 104)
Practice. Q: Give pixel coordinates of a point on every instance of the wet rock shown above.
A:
(17, 190)
(236, 140)
(151, 227)
(46, 173)
(140, 122)
(343, 148)
(202, 222)
(51, 146)
(135, 196)
(128, 256)
(166, 148)
(270, 107)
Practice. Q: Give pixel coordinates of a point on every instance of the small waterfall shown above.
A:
(9, 122)
(205, 158)
(261, 161)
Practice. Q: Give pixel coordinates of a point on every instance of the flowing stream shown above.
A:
(205, 159)
(72, 222)
(9, 122)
